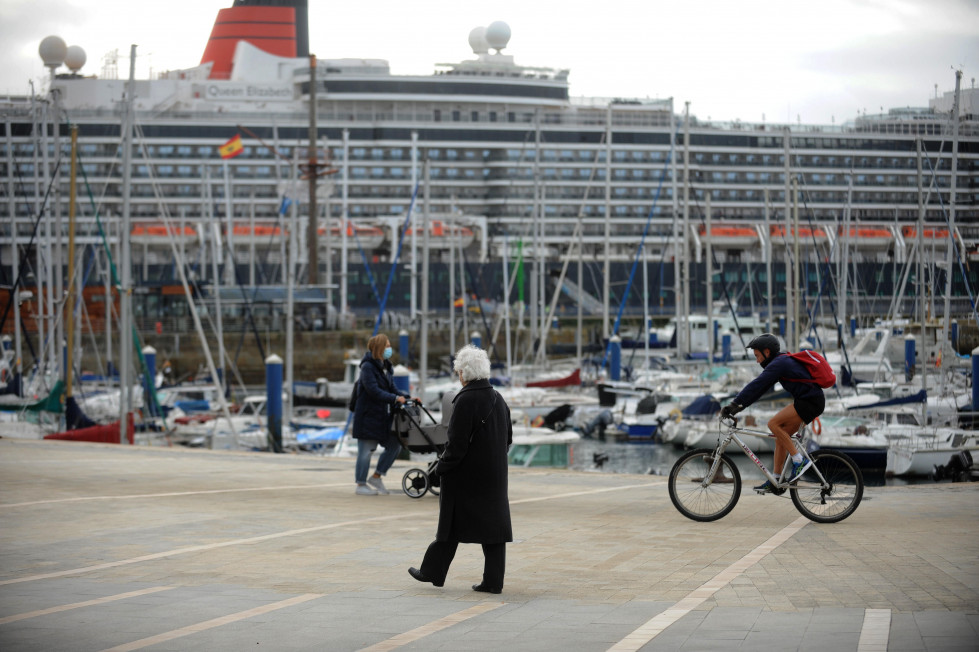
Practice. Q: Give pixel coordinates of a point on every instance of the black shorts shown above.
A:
(810, 408)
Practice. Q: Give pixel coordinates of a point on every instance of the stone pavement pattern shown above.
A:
(108, 547)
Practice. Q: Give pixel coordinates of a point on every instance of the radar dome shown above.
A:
(75, 58)
(498, 35)
(477, 40)
(53, 51)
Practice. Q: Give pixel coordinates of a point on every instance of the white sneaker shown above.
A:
(378, 485)
(364, 490)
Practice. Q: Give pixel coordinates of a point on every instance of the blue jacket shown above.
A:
(373, 414)
(773, 371)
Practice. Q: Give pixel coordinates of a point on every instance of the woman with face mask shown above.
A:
(373, 415)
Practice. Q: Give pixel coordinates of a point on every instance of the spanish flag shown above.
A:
(232, 148)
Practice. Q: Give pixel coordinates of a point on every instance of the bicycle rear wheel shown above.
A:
(838, 498)
(699, 502)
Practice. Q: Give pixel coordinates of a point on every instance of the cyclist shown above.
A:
(809, 401)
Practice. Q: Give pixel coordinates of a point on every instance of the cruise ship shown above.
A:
(485, 160)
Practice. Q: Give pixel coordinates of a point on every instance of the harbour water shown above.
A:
(658, 459)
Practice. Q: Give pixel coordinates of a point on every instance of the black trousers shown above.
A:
(440, 554)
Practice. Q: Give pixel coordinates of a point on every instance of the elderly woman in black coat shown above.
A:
(473, 502)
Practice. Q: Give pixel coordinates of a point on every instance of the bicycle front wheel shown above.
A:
(697, 500)
(836, 498)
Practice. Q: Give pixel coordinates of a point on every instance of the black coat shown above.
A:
(375, 401)
(473, 503)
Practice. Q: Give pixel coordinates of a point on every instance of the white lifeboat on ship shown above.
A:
(364, 236)
(932, 238)
(730, 236)
(259, 234)
(443, 235)
(806, 234)
(868, 237)
(158, 233)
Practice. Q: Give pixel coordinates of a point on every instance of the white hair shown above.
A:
(472, 362)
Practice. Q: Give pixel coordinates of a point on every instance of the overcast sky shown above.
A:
(817, 61)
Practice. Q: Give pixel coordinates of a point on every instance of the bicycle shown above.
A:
(705, 483)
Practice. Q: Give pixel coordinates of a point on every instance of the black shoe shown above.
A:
(486, 589)
(421, 577)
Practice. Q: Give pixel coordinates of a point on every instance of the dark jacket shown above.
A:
(375, 402)
(473, 503)
(773, 371)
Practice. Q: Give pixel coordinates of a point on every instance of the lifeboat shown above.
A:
(868, 236)
(442, 235)
(364, 236)
(260, 234)
(156, 233)
(734, 236)
(911, 233)
(805, 233)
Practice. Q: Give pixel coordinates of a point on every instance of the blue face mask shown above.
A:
(388, 352)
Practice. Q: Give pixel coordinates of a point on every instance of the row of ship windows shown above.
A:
(579, 175)
(268, 199)
(567, 214)
(476, 155)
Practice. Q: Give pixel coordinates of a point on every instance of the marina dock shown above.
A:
(130, 548)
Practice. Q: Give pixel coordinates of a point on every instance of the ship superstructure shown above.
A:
(500, 150)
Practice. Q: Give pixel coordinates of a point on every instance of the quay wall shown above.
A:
(323, 353)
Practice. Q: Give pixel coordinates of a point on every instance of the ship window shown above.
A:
(397, 172)
(397, 153)
(511, 116)
(451, 154)
(438, 115)
(492, 116)
(377, 154)
(456, 115)
(474, 116)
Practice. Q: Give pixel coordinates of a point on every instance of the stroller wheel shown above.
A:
(415, 483)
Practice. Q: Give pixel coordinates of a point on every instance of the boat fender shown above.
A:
(817, 427)
(3, 375)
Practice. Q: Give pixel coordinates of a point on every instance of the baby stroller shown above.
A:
(418, 438)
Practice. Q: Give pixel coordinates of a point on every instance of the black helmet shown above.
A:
(765, 341)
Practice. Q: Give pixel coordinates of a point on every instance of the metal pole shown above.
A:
(125, 290)
(789, 268)
(70, 323)
(606, 290)
(683, 324)
(414, 231)
(14, 254)
(344, 220)
(710, 284)
(767, 248)
(312, 173)
(423, 363)
(950, 257)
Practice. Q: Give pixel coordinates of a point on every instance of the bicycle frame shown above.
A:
(781, 482)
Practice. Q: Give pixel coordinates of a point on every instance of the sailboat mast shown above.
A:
(950, 256)
(767, 244)
(69, 322)
(312, 173)
(125, 289)
(921, 278)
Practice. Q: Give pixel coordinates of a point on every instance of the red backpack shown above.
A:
(820, 370)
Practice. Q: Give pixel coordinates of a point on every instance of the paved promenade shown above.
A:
(109, 547)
